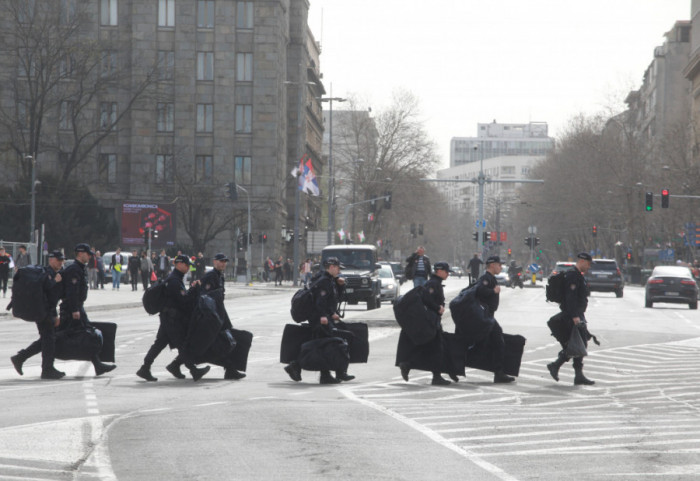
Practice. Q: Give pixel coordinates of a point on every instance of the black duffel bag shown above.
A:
(78, 344)
(418, 323)
(205, 325)
(471, 323)
(327, 353)
(481, 357)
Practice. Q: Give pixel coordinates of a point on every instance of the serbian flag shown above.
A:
(307, 179)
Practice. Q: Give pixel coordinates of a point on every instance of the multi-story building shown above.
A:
(692, 73)
(231, 80)
(498, 140)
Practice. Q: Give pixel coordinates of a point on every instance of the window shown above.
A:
(165, 117)
(107, 168)
(244, 15)
(27, 63)
(205, 13)
(166, 13)
(244, 67)
(241, 170)
(65, 122)
(244, 118)
(203, 169)
(109, 63)
(65, 67)
(205, 117)
(26, 11)
(508, 170)
(108, 12)
(166, 64)
(164, 169)
(205, 65)
(67, 11)
(23, 114)
(108, 115)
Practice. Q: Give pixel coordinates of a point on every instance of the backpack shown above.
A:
(154, 298)
(29, 301)
(555, 288)
(471, 323)
(303, 303)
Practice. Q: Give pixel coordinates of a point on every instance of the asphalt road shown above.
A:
(640, 421)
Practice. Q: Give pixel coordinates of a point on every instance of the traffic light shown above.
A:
(595, 231)
(558, 242)
(664, 199)
(250, 238)
(420, 229)
(537, 242)
(528, 241)
(649, 201)
(475, 236)
(510, 251)
(232, 191)
(485, 236)
(263, 238)
(387, 199)
(413, 230)
(629, 256)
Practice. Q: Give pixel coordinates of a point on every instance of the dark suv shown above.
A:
(361, 273)
(605, 276)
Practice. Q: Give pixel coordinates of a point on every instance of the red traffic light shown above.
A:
(664, 198)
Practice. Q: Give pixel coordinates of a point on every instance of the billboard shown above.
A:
(138, 217)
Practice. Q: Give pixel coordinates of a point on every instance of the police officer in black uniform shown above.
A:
(75, 293)
(574, 307)
(433, 297)
(488, 294)
(46, 344)
(174, 321)
(325, 322)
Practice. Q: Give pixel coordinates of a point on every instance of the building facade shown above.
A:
(229, 82)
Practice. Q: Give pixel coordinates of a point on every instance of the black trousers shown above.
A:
(145, 279)
(46, 344)
(134, 278)
(159, 344)
(497, 346)
(3, 281)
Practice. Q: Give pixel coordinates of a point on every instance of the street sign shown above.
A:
(533, 268)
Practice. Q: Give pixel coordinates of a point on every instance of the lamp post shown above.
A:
(33, 213)
(331, 178)
(248, 257)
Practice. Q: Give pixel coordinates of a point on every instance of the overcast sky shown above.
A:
(472, 61)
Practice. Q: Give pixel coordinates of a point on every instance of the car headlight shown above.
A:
(365, 281)
(390, 286)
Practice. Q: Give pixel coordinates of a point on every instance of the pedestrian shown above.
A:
(115, 266)
(174, 323)
(134, 270)
(410, 355)
(573, 308)
(306, 270)
(92, 271)
(23, 259)
(418, 267)
(488, 294)
(162, 265)
(325, 321)
(75, 292)
(46, 344)
(269, 268)
(200, 266)
(5, 261)
(278, 271)
(146, 268)
(474, 267)
(287, 269)
(100, 269)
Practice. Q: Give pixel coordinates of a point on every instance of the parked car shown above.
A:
(562, 266)
(674, 284)
(605, 276)
(390, 285)
(457, 271)
(107, 260)
(502, 278)
(398, 269)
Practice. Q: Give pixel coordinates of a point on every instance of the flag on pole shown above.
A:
(308, 182)
(341, 234)
(361, 236)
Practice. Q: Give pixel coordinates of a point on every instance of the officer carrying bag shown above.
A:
(419, 323)
(471, 323)
(154, 298)
(28, 296)
(555, 288)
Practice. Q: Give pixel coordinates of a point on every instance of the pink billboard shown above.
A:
(137, 218)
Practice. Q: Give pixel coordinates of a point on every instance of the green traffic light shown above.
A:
(649, 208)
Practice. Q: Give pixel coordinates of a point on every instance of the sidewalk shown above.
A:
(106, 299)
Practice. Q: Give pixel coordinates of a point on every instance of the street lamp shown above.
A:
(248, 257)
(33, 213)
(331, 178)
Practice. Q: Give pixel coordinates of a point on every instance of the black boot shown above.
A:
(438, 380)
(231, 373)
(17, 361)
(293, 370)
(553, 367)
(52, 373)
(454, 377)
(174, 369)
(326, 378)
(198, 373)
(500, 377)
(343, 376)
(144, 372)
(102, 368)
(405, 370)
(580, 379)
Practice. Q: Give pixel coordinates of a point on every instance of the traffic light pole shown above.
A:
(349, 206)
